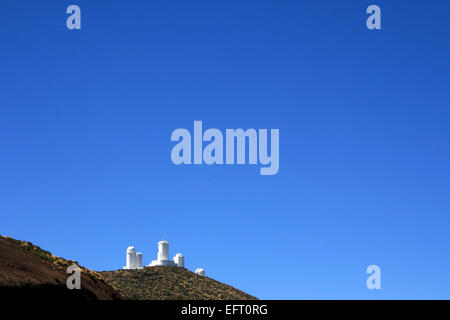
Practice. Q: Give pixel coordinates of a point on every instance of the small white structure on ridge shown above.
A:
(139, 259)
(179, 260)
(200, 272)
(134, 260)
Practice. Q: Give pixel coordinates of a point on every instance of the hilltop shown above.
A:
(29, 272)
(170, 283)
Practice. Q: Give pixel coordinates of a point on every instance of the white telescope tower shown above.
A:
(134, 259)
(163, 255)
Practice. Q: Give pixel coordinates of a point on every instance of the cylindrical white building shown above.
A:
(163, 250)
(139, 260)
(200, 272)
(179, 260)
(131, 258)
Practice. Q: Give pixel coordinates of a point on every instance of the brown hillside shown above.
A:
(27, 271)
(170, 283)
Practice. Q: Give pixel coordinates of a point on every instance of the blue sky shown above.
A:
(86, 119)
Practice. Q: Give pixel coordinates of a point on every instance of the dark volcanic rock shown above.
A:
(28, 272)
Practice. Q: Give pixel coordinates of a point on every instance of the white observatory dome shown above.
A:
(163, 250)
(200, 272)
(131, 258)
(179, 260)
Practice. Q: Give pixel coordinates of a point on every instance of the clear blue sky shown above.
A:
(364, 118)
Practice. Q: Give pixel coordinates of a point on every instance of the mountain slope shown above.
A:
(170, 283)
(27, 271)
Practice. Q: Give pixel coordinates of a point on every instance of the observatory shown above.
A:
(179, 260)
(200, 272)
(134, 259)
(163, 256)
